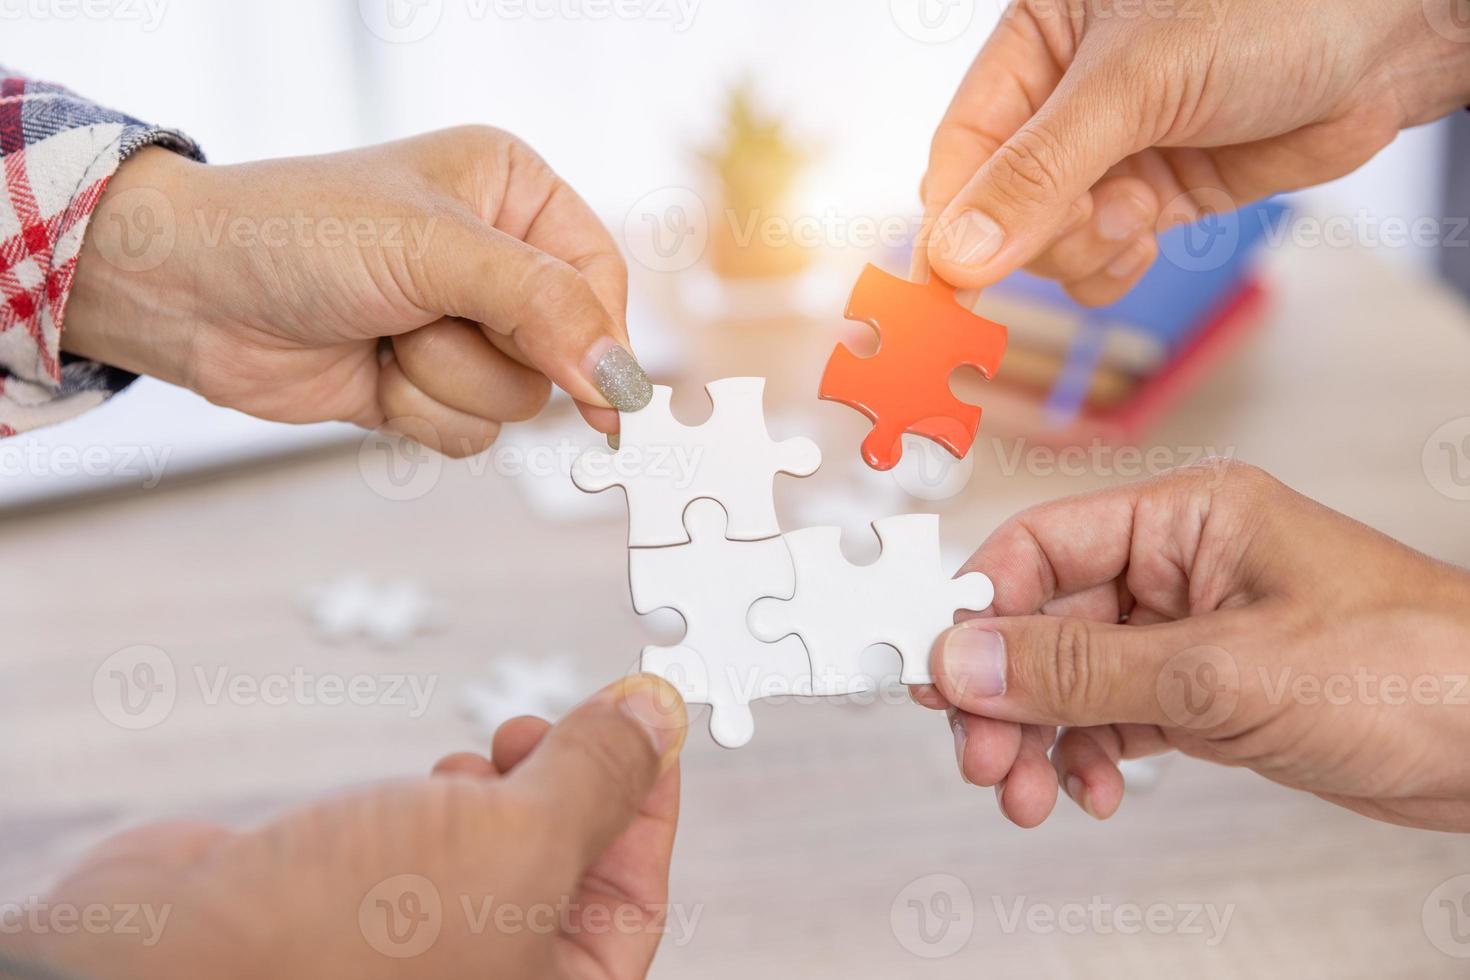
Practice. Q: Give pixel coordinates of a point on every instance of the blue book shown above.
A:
(1199, 268)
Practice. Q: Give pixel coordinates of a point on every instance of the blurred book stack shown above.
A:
(1076, 374)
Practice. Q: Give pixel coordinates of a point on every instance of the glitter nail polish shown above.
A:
(621, 380)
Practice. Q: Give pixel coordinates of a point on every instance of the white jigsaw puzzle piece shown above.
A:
(712, 582)
(663, 465)
(903, 599)
(389, 615)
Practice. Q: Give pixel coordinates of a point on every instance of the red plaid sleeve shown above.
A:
(59, 150)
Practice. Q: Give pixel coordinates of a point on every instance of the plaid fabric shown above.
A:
(59, 151)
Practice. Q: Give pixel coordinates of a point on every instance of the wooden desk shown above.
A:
(797, 848)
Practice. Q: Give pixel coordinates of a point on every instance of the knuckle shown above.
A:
(479, 137)
(1078, 674)
(1224, 474)
(556, 292)
(1026, 169)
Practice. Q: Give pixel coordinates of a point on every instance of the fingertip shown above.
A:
(658, 709)
(928, 696)
(516, 739)
(968, 663)
(464, 764)
(617, 376)
(987, 749)
(1025, 799)
(1078, 216)
(1119, 277)
(600, 418)
(1099, 793)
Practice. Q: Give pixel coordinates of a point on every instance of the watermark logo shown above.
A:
(928, 471)
(1446, 917)
(401, 916)
(136, 230)
(1446, 459)
(397, 464)
(1450, 19)
(136, 687)
(933, 917)
(667, 230)
(1210, 235)
(932, 21)
(1199, 688)
(401, 21)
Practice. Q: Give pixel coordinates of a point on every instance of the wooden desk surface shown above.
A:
(797, 850)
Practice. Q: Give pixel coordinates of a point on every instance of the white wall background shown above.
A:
(616, 103)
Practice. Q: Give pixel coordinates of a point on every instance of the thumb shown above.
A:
(1021, 197)
(548, 309)
(591, 774)
(1049, 670)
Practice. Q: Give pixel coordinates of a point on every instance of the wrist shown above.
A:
(132, 300)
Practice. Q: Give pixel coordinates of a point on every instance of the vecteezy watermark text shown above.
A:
(27, 458)
(147, 14)
(403, 916)
(138, 687)
(1099, 916)
(410, 21)
(37, 917)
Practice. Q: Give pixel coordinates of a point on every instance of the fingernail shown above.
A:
(971, 238)
(1127, 265)
(1122, 218)
(1000, 798)
(1076, 218)
(658, 709)
(1077, 790)
(618, 376)
(614, 441)
(958, 725)
(974, 661)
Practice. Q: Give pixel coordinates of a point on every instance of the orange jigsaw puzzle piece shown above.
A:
(923, 335)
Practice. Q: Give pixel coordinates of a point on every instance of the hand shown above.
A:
(1085, 129)
(1258, 629)
(265, 287)
(549, 859)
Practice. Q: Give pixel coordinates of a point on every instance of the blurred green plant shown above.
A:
(757, 162)
(757, 165)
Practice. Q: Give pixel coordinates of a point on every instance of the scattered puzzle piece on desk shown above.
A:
(904, 599)
(544, 687)
(663, 465)
(388, 615)
(924, 335)
(712, 582)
